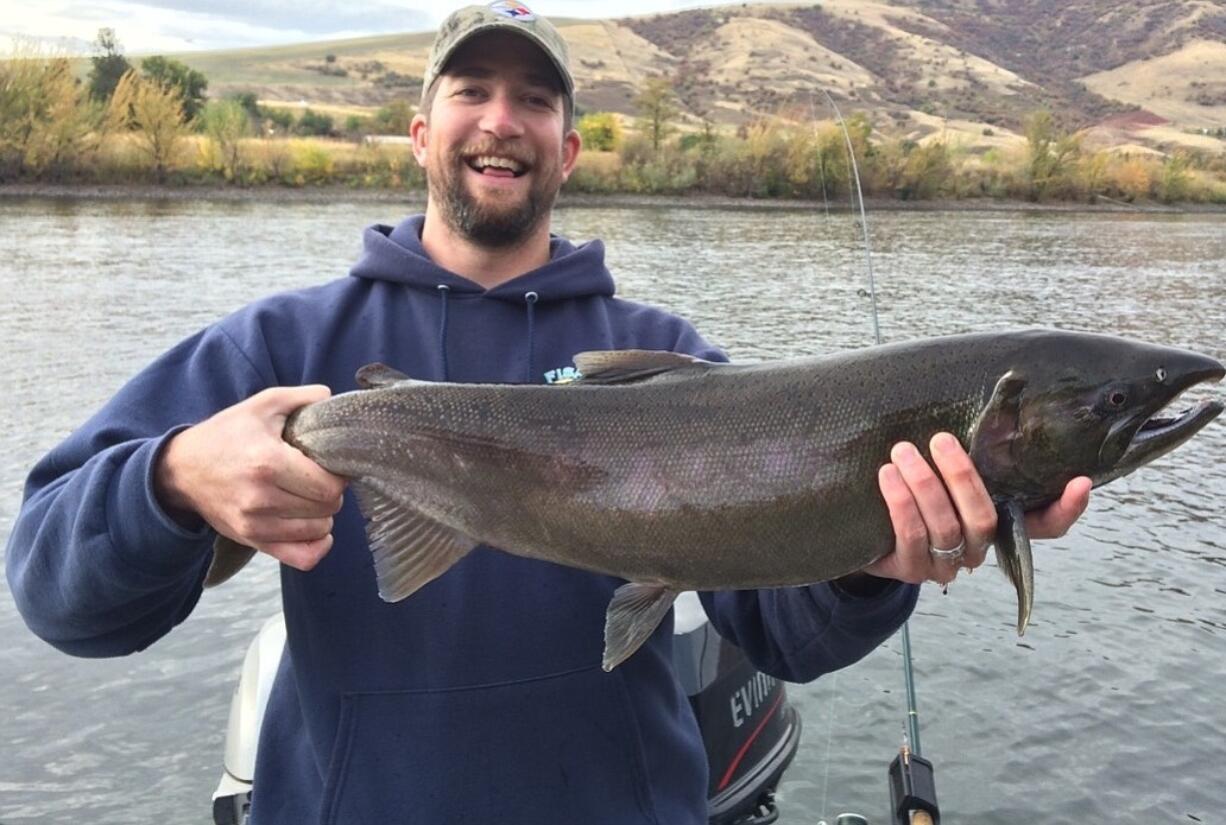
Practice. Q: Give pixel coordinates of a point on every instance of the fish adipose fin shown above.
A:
(627, 365)
(410, 550)
(376, 375)
(634, 614)
(1013, 556)
(228, 558)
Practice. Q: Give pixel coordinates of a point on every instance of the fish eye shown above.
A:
(1161, 375)
(1117, 398)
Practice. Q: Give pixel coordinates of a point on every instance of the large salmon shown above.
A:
(679, 474)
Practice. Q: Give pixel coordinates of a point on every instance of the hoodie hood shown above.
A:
(395, 254)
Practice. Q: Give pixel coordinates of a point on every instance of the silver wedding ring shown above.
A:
(951, 556)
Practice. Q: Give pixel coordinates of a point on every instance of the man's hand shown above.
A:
(930, 510)
(237, 473)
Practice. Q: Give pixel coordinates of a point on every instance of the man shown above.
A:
(481, 698)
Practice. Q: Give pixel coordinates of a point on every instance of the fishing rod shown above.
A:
(913, 796)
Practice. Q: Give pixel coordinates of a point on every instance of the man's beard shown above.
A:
(485, 223)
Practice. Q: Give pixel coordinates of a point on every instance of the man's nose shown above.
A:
(501, 119)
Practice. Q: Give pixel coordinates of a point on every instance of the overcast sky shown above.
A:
(182, 25)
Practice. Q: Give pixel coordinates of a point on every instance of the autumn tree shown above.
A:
(226, 123)
(154, 112)
(657, 107)
(1050, 154)
(46, 122)
(601, 131)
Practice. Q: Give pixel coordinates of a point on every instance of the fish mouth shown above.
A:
(1163, 431)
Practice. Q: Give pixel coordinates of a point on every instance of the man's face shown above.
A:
(492, 145)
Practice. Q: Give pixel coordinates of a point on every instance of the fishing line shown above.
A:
(911, 740)
(859, 195)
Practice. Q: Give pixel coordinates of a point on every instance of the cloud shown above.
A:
(312, 17)
(148, 26)
(145, 26)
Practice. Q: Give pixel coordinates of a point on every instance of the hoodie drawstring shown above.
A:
(443, 291)
(530, 299)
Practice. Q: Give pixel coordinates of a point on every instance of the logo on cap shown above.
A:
(509, 8)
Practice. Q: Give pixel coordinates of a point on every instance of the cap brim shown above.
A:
(568, 84)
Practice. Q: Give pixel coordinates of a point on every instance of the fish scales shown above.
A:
(644, 482)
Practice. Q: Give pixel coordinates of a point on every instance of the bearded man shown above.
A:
(481, 698)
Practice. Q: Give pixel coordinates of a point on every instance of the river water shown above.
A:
(1111, 707)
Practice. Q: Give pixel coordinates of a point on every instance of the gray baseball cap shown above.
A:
(504, 15)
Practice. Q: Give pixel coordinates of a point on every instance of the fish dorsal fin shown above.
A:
(993, 436)
(1013, 556)
(410, 549)
(376, 375)
(634, 614)
(626, 365)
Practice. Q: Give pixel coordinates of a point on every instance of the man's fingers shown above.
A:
(1054, 521)
(273, 502)
(281, 401)
(910, 561)
(300, 555)
(939, 517)
(974, 506)
(260, 532)
(302, 477)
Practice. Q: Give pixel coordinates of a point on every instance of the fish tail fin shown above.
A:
(634, 614)
(1014, 557)
(228, 558)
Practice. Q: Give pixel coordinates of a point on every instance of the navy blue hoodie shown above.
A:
(479, 699)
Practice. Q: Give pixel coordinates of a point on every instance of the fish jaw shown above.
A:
(1154, 435)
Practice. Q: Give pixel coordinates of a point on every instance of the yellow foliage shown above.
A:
(311, 163)
(154, 111)
(46, 121)
(1133, 178)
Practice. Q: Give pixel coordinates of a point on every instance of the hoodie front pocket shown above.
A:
(558, 749)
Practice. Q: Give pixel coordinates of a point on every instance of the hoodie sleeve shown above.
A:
(96, 566)
(800, 633)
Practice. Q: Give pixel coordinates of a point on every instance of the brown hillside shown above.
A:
(981, 64)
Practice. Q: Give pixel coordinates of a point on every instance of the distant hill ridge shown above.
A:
(987, 62)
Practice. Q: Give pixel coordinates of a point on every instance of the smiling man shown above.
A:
(481, 698)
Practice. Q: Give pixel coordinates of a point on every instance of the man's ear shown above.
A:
(419, 131)
(571, 144)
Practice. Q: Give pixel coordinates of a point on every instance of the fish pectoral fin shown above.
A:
(627, 365)
(410, 549)
(1013, 556)
(376, 375)
(992, 437)
(228, 558)
(634, 614)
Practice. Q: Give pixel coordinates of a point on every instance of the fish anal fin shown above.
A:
(228, 558)
(410, 549)
(634, 614)
(628, 365)
(994, 433)
(376, 375)
(1013, 556)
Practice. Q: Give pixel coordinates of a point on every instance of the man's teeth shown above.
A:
(483, 161)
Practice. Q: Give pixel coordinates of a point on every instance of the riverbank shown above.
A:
(332, 194)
